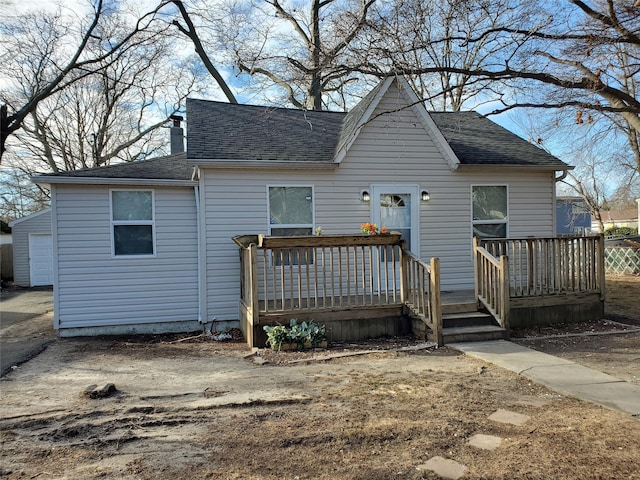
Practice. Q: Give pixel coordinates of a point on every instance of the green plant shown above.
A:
(302, 335)
(620, 231)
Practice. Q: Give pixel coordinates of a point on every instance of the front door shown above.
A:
(397, 207)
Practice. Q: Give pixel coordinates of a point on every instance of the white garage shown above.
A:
(33, 249)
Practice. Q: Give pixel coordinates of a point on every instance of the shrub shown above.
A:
(305, 334)
(620, 231)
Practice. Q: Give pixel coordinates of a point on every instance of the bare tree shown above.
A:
(555, 55)
(111, 115)
(418, 34)
(18, 195)
(44, 53)
(302, 50)
(189, 30)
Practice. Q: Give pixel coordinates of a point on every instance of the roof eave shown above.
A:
(159, 182)
(263, 164)
(550, 168)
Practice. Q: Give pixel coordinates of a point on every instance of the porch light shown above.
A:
(364, 195)
(424, 195)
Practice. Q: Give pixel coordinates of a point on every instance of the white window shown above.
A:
(132, 222)
(489, 210)
(290, 211)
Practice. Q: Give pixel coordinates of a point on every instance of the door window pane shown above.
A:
(395, 214)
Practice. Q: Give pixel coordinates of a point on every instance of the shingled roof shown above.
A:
(170, 167)
(476, 140)
(219, 131)
(223, 131)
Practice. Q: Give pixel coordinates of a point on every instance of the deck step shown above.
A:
(463, 307)
(473, 333)
(466, 319)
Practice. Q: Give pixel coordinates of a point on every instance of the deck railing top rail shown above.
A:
(307, 241)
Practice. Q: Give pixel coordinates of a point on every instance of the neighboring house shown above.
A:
(618, 217)
(147, 246)
(572, 216)
(33, 256)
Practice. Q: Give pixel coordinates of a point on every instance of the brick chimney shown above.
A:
(177, 135)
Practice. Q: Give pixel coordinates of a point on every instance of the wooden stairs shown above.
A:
(463, 322)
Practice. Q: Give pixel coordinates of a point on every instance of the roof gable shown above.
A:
(357, 118)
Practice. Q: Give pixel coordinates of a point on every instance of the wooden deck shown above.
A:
(363, 286)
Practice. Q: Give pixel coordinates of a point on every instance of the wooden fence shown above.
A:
(6, 262)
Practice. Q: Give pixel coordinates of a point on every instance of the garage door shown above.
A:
(41, 259)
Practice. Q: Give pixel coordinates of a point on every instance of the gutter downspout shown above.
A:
(554, 209)
(202, 317)
(196, 190)
(562, 176)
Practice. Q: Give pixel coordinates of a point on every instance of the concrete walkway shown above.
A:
(558, 374)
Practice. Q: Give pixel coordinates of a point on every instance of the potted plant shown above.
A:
(297, 336)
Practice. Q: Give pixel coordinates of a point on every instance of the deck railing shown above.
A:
(492, 282)
(287, 275)
(421, 291)
(549, 266)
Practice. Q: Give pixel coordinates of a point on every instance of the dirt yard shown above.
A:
(208, 410)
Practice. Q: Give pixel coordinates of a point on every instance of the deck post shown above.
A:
(404, 273)
(505, 292)
(253, 284)
(600, 266)
(476, 270)
(436, 301)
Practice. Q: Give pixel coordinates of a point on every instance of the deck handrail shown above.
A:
(421, 291)
(552, 265)
(492, 283)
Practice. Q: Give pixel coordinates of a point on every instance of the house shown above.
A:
(572, 216)
(619, 217)
(33, 256)
(147, 246)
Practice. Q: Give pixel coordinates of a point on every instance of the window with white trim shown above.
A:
(490, 214)
(132, 223)
(290, 213)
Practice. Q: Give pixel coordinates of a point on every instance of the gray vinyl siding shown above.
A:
(96, 289)
(391, 149)
(38, 223)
